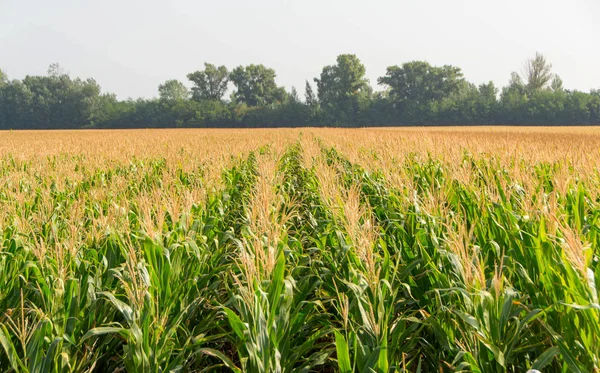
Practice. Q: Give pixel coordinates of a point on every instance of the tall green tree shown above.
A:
(311, 102)
(343, 90)
(255, 86)
(557, 84)
(210, 84)
(415, 86)
(421, 83)
(173, 90)
(309, 96)
(538, 73)
(487, 103)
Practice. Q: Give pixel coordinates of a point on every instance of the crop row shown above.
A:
(299, 261)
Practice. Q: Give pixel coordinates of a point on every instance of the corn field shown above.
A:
(300, 250)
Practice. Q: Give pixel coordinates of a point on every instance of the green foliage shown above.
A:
(416, 85)
(3, 78)
(173, 90)
(538, 73)
(416, 93)
(473, 283)
(309, 96)
(557, 84)
(255, 86)
(421, 83)
(210, 84)
(343, 90)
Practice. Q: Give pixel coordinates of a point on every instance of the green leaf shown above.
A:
(343, 354)
(571, 360)
(545, 358)
(10, 350)
(236, 323)
(212, 352)
(102, 330)
(382, 363)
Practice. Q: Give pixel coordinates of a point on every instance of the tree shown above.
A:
(414, 93)
(312, 103)
(515, 84)
(173, 90)
(294, 112)
(538, 73)
(515, 87)
(255, 86)
(513, 100)
(487, 103)
(293, 96)
(343, 89)
(309, 96)
(210, 84)
(53, 101)
(488, 92)
(415, 86)
(3, 78)
(55, 70)
(594, 106)
(557, 84)
(15, 106)
(421, 83)
(576, 108)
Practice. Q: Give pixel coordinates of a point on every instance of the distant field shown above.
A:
(441, 249)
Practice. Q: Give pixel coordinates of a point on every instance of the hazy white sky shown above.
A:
(131, 46)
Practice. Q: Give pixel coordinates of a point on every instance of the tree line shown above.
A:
(416, 93)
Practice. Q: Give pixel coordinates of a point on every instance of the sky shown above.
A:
(131, 46)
